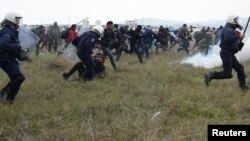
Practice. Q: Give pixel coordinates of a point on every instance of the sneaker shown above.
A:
(207, 78)
(65, 76)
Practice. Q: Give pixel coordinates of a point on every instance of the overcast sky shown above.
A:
(71, 11)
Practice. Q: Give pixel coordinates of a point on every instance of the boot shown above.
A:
(66, 76)
(208, 78)
(244, 87)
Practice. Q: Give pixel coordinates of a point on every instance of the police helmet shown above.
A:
(98, 29)
(232, 19)
(13, 17)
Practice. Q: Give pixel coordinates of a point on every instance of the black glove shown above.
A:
(24, 56)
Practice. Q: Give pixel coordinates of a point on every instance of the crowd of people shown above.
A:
(115, 40)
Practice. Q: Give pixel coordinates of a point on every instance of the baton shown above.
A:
(246, 25)
(241, 44)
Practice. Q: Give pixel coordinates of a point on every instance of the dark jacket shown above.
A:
(108, 38)
(9, 44)
(162, 36)
(183, 32)
(119, 36)
(229, 40)
(40, 32)
(54, 32)
(147, 36)
(135, 36)
(86, 44)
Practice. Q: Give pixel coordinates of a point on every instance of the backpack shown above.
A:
(64, 34)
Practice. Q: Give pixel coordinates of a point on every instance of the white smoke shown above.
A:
(98, 22)
(85, 26)
(213, 59)
(244, 54)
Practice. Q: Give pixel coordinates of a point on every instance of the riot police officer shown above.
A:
(85, 45)
(229, 45)
(10, 54)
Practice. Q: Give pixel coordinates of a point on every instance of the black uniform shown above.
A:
(9, 53)
(85, 44)
(229, 46)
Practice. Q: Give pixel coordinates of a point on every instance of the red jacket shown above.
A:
(71, 35)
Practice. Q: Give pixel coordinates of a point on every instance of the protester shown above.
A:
(218, 35)
(71, 35)
(107, 41)
(54, 37)
(183, 35)
(41, 33)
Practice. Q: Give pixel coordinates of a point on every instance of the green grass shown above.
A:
(120, 107)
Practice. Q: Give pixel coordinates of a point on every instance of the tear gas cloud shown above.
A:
(213, 59)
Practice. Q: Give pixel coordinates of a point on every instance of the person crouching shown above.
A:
(85, 45)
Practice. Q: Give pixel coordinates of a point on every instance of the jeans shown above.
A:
(134, 48)
(106, 52)
(184, 45)
(145, 49)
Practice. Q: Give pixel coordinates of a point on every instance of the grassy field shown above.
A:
(122, 106)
